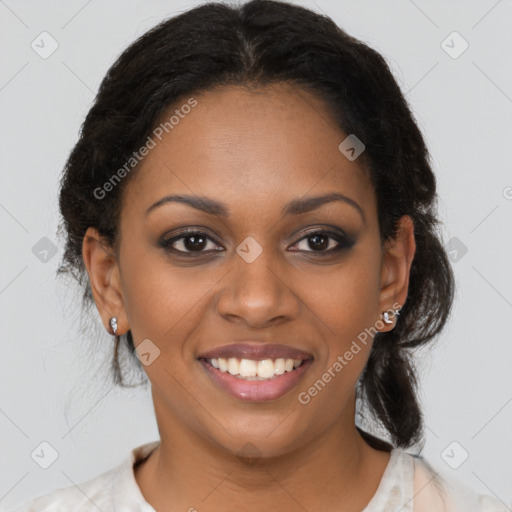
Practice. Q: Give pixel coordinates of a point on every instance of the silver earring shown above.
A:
(113, 324)
(386, 318)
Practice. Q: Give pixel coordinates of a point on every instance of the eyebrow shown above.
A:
(295, 207)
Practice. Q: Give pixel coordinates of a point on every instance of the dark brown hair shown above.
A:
(259, 43)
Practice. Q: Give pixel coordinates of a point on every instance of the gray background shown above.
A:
(54, 387)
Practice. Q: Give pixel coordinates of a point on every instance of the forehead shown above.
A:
(251, 146)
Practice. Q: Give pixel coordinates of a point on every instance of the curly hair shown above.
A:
(259, 43)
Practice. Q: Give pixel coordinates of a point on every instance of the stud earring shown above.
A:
(386, 318)
(113, 324)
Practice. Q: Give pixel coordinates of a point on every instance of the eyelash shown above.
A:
(344, 242)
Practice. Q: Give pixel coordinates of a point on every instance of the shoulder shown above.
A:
(436, 491)
(92, 495)
(114, 489)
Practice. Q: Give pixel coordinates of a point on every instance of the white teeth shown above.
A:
(251, 369)
(265, 369)
(223, 364)
(248, 368)
(279, 366)
(233, 365)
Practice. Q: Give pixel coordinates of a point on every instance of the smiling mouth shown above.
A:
(251, 369)
(256, 380)
(256, 372)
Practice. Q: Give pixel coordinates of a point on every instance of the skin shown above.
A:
(254, 150)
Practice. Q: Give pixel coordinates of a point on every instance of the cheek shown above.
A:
(162, 300)
(346, 302)
(346, 296)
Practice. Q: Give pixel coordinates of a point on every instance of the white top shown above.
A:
(408, 484)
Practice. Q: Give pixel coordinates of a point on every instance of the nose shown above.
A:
(259, 293)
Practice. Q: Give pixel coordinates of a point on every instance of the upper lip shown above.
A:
(256, 351)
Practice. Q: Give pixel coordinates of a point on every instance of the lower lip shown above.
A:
(257, 390)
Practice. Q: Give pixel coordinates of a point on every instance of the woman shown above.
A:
(252, 209)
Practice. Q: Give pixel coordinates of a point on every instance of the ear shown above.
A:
(103, 270)
(396, 265)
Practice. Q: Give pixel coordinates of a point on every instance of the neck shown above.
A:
(186, 472)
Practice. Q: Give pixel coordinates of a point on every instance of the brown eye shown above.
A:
(319, 241)
(324, 242)
(190, 242)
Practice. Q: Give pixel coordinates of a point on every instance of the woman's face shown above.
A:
(258, 282)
